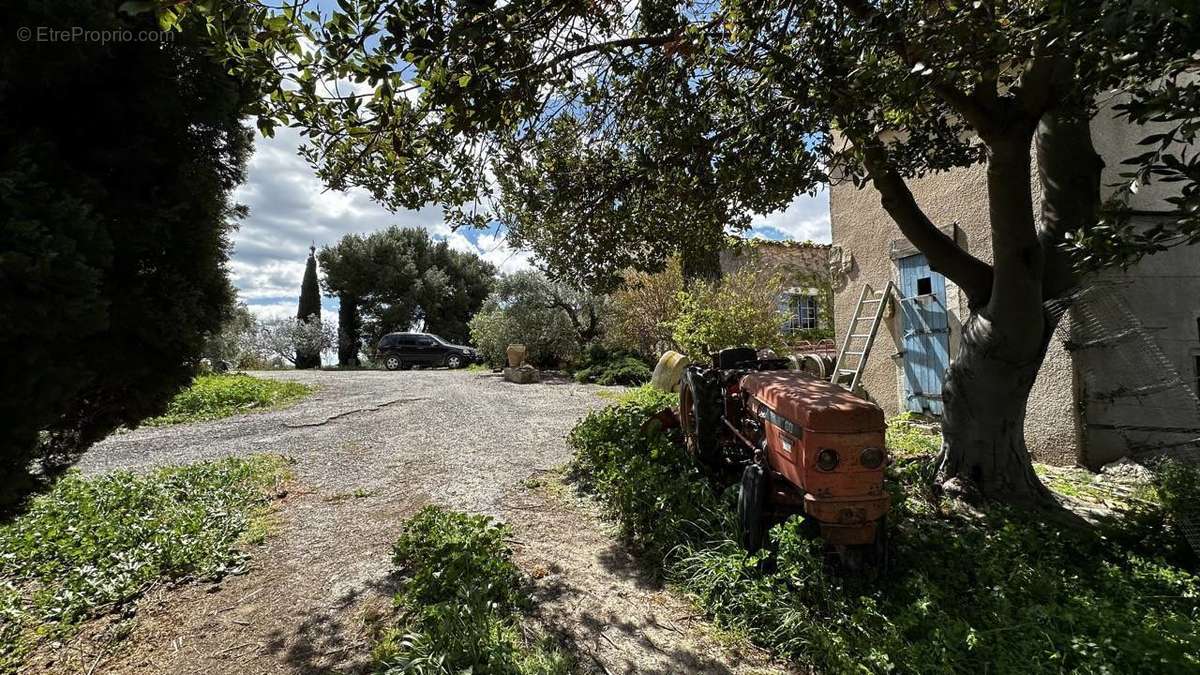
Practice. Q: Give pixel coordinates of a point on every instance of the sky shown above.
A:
(291, 210)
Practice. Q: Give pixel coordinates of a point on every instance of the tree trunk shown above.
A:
(1003, 345)
(985, 397)
(348, 330)
(701, 264)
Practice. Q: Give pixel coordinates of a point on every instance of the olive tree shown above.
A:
(294, 339)
(555, 321)
(599, 131)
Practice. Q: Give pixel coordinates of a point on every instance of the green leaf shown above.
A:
(168, 19)
(277, 24)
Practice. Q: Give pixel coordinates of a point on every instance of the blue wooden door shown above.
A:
(926, 331)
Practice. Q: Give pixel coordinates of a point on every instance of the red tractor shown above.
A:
(807, 446)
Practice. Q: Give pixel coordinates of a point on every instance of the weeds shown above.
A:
(212, 397)
(905, 438)
(1001, 593)
(91, 545)
(461, 600)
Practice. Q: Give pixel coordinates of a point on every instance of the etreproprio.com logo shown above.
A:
(81, 34)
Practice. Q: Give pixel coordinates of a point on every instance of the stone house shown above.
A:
(807, 298)
(1083, 409)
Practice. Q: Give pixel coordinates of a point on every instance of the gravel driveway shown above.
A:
(371, 448)
(461, 437)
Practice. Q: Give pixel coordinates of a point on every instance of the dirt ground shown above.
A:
(371, 448)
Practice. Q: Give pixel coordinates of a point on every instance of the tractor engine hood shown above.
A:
(813, 404)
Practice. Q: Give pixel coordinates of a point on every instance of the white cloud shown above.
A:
(279, 310)
(494, 249)
(805, 219)
(290, 209)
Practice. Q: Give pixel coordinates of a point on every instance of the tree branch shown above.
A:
(1069, 169)
(636, 41)
(973, 107)
(945, 256)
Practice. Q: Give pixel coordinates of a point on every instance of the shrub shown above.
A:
(446, 554)
(1003, 592)
(1178, 485)
(906, 439)
(94, 544)
(740, 311)
(608, 368)
(235, 343)
(461, 596)
(655, 492)
(212, 397)
(642, 309)
(114, 222)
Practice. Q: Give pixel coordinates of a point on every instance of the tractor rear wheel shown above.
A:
(700, 414)
(751, 498)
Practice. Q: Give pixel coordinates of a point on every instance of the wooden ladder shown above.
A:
(858, 345)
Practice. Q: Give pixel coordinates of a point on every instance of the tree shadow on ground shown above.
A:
(338, 638)
(606, 642)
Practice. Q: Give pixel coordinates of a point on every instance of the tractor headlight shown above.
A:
(872, 458)
(827, 459)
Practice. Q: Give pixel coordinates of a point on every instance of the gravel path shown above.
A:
(459, 436)
(371, 448)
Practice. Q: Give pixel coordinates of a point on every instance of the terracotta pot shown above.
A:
(516, 355)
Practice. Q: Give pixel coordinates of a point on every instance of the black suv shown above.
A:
(401, 351)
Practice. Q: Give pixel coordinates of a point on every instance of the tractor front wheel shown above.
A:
(751, 498)
(700, 414)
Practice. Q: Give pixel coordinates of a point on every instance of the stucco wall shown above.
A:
(1164, 291)
(795, 260)
(803, 265)
(864, 230)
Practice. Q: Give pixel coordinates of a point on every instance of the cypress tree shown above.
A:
(310, 309)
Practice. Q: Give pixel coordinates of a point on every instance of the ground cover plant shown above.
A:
(611, 367)
(968, 591)
(460, 602)
(212, 397)
(90, 546)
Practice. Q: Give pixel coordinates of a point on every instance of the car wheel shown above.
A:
(751, 496)
(454, 361)
(392, 362)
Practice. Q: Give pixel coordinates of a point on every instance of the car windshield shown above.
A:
(438, 338)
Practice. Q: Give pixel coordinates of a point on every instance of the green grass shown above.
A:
(460, 603)
(997, 592)
(212, 397)
(89, 546)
